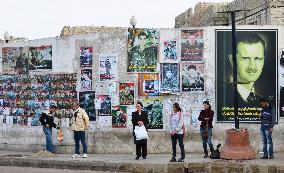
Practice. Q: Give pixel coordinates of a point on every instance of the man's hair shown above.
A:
(192, 67)
(176, 105)
(263, 100)
(249, 38)
(139, 103)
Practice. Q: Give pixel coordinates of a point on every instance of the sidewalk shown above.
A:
(153, 163)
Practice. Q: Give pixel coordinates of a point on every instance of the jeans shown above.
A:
(80, 136)
(174, 139)
(266, 136)
(48, 138)
(208, 140)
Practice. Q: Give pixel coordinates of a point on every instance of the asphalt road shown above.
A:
(9, 169)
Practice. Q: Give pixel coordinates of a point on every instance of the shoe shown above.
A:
(85, 155)
(144, 157)
(137, 158)
(173, 159)
(75, 156)
(271, 157)
(181, 160)
(264, 157)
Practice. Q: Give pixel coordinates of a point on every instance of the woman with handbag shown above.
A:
(177, 130)
(206, 118)
(140, 118)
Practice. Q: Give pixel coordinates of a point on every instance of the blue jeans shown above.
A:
(208, 141)
(48, 138)
(174, 139)
(266, 136)
(80, 136)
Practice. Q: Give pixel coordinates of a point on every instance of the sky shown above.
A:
(36, 19)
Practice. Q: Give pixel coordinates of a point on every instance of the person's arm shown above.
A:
(273, 114)
(86, 119)
(200, 117)
(42, 119)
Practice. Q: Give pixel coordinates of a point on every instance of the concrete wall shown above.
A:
(110, 140)
(260, 12)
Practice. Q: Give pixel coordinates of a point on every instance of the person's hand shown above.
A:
(47, 126)
(173, 132)
(271, 130)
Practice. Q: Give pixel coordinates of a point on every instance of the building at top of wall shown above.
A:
(260, 12)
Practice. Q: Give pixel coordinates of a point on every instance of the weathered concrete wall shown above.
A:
(110, 140)
(259, 12)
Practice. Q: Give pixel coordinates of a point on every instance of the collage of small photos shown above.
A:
(27, 87)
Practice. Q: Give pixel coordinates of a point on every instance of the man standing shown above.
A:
(80, 123)
(267, 119)
(47, 120)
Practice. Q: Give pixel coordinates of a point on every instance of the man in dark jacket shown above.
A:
(267, 119)
(47, 120)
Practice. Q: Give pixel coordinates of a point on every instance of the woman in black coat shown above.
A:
(140, 118)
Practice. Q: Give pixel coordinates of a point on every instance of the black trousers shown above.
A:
(141, 145)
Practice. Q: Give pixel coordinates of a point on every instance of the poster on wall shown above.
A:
(105, 105)
(192, 77)
(108, 67)
(170, 51)
(40, 58)
(192, 45)
(148, 84)
(154, 107)
(87, 99)
(257, 67)
(15, 60)
(126, 93)
(119, 116)
(86, 56)
(281, 83)
(142, 50)
(170, 77)
(86, 79)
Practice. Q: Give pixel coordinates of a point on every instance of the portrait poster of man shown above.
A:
(105, 101)
(40, 58)
(170, 77)
(154, 108)
(15, 60)
(142, 50)
(108, 67)
(192, 75)
(192, 45)
(86, 56)
(148, 84)
(281, 83)
(126, 93)
(119, 116)
(170, 51)
(87, 102)
(86, 79)
(256, 76)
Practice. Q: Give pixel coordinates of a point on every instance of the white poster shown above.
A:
(108, 67)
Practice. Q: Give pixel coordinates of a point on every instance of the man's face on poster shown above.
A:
(169, 74)
(127, 90)
(250, 61)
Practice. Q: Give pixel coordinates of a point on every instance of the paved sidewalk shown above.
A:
(127, 163)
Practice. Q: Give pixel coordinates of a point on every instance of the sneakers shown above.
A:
(181, 160)
(75, 156)
(85, 155)
(137, 158)
(173, 159)
(271, 157)
(264, 157)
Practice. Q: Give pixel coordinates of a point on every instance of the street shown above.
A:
(9, 169)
